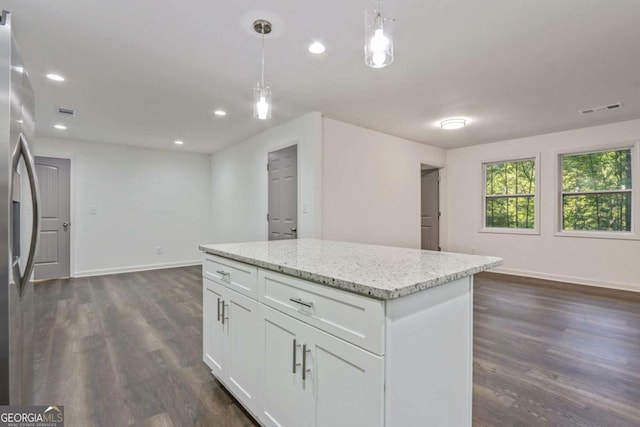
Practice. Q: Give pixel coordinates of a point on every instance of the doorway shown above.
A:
(54, 252)
(282, 168)
(430, 208)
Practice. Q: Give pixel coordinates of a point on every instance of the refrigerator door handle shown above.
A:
(22, 150)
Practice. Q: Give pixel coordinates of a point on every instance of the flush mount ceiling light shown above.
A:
(55, 77)
(262, 90)
(453, 123)
(60, 127)
(378, 43)
(316, 48)
(220, 113)
(178, 142)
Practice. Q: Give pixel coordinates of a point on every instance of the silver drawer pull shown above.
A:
(299, 301)
(295, 350)
(223, 273)
(223, 312)
(305, 371)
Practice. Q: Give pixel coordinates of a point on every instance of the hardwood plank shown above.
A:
(126, 349)
(557, 354)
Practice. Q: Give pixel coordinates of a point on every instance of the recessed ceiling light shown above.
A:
(453, 123)
(316, 48)
(220, 113)
(60, 127)
(178, 142)
(55, 77)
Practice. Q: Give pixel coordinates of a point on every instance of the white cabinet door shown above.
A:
(213, 330)
(283, 397)
(242, 324)
(345, 385)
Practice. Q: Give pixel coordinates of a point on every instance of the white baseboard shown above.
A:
(133, 268)
(568, 279)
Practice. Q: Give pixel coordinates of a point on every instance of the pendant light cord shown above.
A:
(262, 76)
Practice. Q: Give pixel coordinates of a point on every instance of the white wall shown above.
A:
(240, 186)
(604, 262)
(144, 198)
(371, 186)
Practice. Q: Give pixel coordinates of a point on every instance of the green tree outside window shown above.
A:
(510, 189)
(596, 191)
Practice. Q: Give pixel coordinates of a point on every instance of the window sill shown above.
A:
(614, 235)
(523, 231)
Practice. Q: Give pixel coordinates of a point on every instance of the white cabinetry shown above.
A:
(314, 379)
(301, 354)
(213, 331)
(231, 341)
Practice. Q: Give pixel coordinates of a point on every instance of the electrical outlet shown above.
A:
(159, 250)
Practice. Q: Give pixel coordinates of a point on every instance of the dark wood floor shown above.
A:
(126, 350)
(549, 354)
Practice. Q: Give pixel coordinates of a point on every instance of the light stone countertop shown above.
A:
(381, 272)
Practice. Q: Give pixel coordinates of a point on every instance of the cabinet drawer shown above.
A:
(354, 318)
(242, 278)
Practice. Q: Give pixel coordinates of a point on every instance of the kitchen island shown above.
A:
(323, 333)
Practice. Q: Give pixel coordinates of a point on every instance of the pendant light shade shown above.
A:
(378, 40)
(262, 101)
(262, 91)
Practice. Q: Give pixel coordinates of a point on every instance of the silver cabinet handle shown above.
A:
(223, 310)
(22, 149)
(223, 273)
(299, 301)
(218, 309)
(304, 362)
(295, 351)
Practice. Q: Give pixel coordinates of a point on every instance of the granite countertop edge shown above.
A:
(354, 287)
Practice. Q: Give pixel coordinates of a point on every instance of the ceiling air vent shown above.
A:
(615, 106)
(66, 111)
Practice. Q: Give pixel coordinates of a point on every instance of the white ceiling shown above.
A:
(147, 72)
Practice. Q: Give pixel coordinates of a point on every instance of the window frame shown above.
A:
(635, 198)
(536, 197)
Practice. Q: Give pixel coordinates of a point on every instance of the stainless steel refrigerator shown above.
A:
(19, 223)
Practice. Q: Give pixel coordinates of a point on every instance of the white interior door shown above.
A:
(53, 258)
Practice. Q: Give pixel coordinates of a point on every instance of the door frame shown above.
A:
(72, 201)
(442, 225)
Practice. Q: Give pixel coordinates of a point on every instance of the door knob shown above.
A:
(294, 230)
(66, 225)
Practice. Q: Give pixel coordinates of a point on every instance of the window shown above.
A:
(510, 195)
(597, 191)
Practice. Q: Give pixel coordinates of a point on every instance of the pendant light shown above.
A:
(262, 91)
(378, 43)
